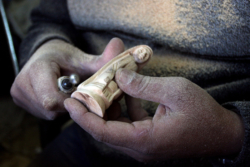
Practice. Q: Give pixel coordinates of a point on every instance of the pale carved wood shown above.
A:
(98, 92)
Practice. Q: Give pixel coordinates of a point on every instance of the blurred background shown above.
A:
(19, 131)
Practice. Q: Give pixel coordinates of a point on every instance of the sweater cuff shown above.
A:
(38, 37)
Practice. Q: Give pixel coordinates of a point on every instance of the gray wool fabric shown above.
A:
(204, 41)
(219, 27)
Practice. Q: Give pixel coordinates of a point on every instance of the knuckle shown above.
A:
(18, 82)
(49, 104)
(13, 92)
(140, 84)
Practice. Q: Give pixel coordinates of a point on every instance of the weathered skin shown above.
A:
(35, 88)
(187, 123)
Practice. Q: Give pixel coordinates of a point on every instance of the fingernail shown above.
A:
(124, 76)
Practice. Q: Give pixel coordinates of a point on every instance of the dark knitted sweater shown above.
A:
(205, 42)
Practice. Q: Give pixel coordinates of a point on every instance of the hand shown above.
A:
(188, 121)
(35, 88)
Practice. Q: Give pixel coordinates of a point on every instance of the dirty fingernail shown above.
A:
(124, 76)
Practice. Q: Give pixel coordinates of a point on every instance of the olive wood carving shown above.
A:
(98, 92)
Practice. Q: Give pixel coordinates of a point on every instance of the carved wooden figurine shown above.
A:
(98, 92)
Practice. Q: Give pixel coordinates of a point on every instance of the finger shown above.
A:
(22, 92)
(134, 108)
(20, 98)
(165, 90)
(35, 110)
(86, 64)
(113, 48)
(30, 103)
(45, 86)
(113, 132)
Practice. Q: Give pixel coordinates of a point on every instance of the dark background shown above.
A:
(6, 67)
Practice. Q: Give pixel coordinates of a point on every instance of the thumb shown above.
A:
(113, 48)
(156, 89)
(86, 64)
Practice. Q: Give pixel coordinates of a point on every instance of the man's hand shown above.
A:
(35, 88)
(188, 121)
